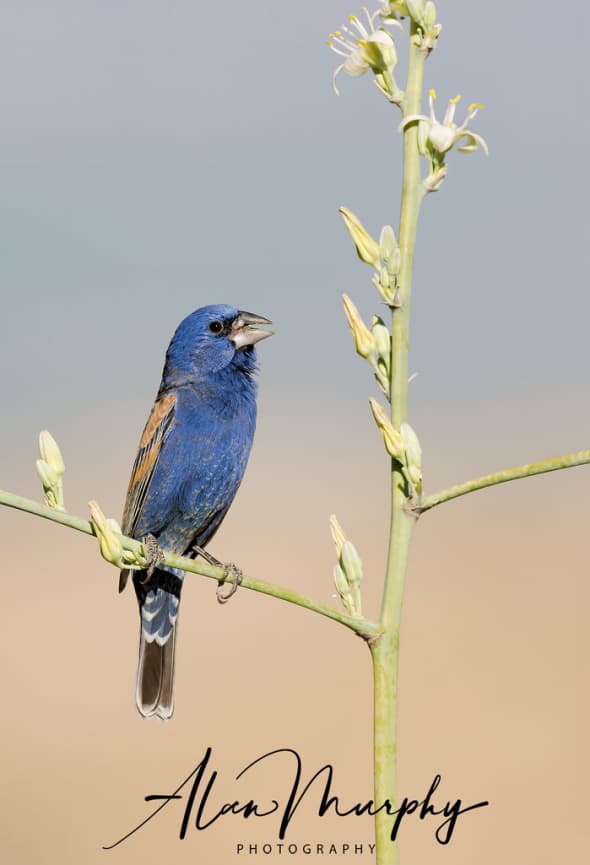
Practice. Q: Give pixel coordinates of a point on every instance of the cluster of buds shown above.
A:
(110, 541)
(365, 46)
(422, 12)
(348, 573)
(436, 138)
(373, 345)
(402, 445)
(384, 257)
(50, 469)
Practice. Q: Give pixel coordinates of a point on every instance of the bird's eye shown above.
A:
(215, 327)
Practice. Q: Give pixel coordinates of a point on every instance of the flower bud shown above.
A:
(367, 249)
(393, 441)
(351, 564)
(413, 451)
(109, 541)
(382, 339)
(51, 453)
(363, 338)
(343, 590)
(338, 535)
(435, 180)
(416, 8)
(387, 243)
(423, 132)
(47, 475)
(429, 14)
(379, 52)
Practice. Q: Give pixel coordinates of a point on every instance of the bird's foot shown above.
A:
(229, 570)
(155, 556)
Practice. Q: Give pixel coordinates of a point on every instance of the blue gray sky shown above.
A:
(159, 156)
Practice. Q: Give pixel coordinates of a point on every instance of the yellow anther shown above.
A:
(474, 106)
(432, 93)
(455, 100)
(329, 43)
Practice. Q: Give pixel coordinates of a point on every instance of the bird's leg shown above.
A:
(236, 573)
(228, 569)
(155, 556)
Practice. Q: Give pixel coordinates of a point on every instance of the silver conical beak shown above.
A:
(243, 333)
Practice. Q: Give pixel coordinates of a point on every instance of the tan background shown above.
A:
(492, 691)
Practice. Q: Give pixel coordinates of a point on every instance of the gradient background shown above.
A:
(159, 156)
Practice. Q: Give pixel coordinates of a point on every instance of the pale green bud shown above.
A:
(393, 441)
(393, 8)
(429, 14)
(114, 525)
(343, 590)
(51, 453)
(434, 181)
(416, 9)
(340, 581)
(338, 535)
(366, 247)
(52, 485)
(382, 339)
(363, 338)
(47, 475)
(351, 564)
(413, 451)
(423, 133)
(379, 52)
(110, 541)
(387, 242)
(389, 250)
(134, 561)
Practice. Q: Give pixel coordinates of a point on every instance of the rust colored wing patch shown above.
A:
(146, 460)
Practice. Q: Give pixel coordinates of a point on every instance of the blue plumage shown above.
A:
(190, 462)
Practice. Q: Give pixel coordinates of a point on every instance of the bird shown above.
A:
(190, 462)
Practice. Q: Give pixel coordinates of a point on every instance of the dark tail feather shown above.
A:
(158, 604)
(155, 677)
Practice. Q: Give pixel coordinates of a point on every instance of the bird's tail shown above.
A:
(154, 694)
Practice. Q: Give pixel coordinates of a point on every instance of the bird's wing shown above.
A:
(146, 460)
(150, 446)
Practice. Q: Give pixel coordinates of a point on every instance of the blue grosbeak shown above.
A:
(190, 462)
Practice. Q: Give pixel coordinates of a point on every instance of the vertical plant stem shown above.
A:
(385, 649)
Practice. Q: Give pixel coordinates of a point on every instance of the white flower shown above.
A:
(443, 136)
(364, 47)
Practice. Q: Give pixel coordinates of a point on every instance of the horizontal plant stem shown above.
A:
(578, 459)
(361, 626)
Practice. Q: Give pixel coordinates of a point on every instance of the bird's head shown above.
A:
(213, 337)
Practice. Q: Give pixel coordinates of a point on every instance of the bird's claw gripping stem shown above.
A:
(155, 556)
(229, 569)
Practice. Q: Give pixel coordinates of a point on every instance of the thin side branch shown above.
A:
(361, 626)
(579, 458)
